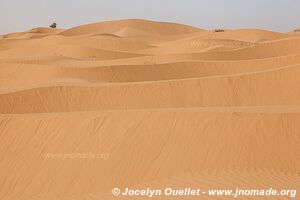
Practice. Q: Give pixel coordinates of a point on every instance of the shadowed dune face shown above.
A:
(160, 104)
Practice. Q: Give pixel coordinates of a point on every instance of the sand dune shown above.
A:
(18, 75)
(270, 87)
(247, 35)
(33, 33)
(149, 27)
(161, 104)
(212, 146)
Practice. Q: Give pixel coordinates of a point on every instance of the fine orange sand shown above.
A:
(163, 104)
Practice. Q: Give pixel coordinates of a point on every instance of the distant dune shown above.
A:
(169, 105)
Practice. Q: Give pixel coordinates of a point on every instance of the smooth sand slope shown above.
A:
(158, 105)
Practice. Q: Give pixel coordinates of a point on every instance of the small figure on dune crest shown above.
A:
(53, 25)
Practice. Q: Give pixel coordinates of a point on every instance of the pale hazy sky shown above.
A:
(277, 15)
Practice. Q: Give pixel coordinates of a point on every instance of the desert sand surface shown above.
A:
(161, 104)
